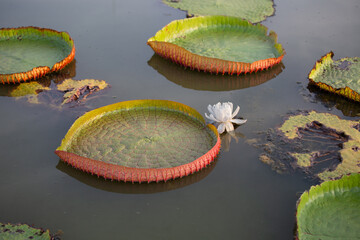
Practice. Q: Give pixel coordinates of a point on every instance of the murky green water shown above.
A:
(238, 197)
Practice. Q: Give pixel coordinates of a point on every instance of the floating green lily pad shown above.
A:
(218, 44)
(22, 231)
(210, 82)
(330, 211)
(341, 77)
(140, 141)
(28, 53)
(252, 10)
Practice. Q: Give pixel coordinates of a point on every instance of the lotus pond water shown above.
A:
(237, 197)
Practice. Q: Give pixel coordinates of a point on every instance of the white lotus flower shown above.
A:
(223, 115)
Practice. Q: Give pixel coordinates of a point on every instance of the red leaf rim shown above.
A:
(130, 174)
(40, 71)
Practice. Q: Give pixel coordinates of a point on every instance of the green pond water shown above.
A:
(237, 197)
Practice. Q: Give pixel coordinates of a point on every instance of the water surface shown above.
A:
(238, 197)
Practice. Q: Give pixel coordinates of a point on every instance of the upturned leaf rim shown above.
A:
(161, 45)
(132, 174)
(39, 71)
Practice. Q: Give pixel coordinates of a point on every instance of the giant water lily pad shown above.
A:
(252, 10)
(218, 44)
(22, 231)
(341, 77)
(28, 53)
(330, 210)
(140, 141)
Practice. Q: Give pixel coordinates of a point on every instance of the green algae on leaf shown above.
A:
(140, 141)
(74, 89)
(218, 44)
(341, 77)
(29, 53)
(331, 127)
(10, 231)
(252, 10)
(330, 210)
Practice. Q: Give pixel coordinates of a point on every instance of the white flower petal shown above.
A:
(211, 117)
(229, 127)
(236, 112)
(221, 128)
(219, 114)
(238, 121)
(210, 109)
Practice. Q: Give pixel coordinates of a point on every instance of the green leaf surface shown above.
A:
(218, 44)
(23, 50)
(252, 10)
(341, 76)
(21, 232)
(149, 136)
(29, 53)
(231, 39)
(330, 211)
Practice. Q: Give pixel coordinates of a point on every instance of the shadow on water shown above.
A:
(210, 82)
(330, 100)
(134, 188)
(57, 77)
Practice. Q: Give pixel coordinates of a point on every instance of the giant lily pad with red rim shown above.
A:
(29, 53)
(218, 44)
(140, 141)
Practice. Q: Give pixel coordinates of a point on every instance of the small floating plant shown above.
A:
(29, 53)
(218, 44)
(140, 141)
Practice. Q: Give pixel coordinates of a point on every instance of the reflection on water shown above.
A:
(136, 188)
(330, 100)
(45, 82)
(227, 137)
(209, 82)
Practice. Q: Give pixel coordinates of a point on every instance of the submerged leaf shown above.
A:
(31, 88)
(218, 44)
(252, 10)
(341, 77)
(345, 130)
(321, 144)
(74, 89)
(330, 210)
